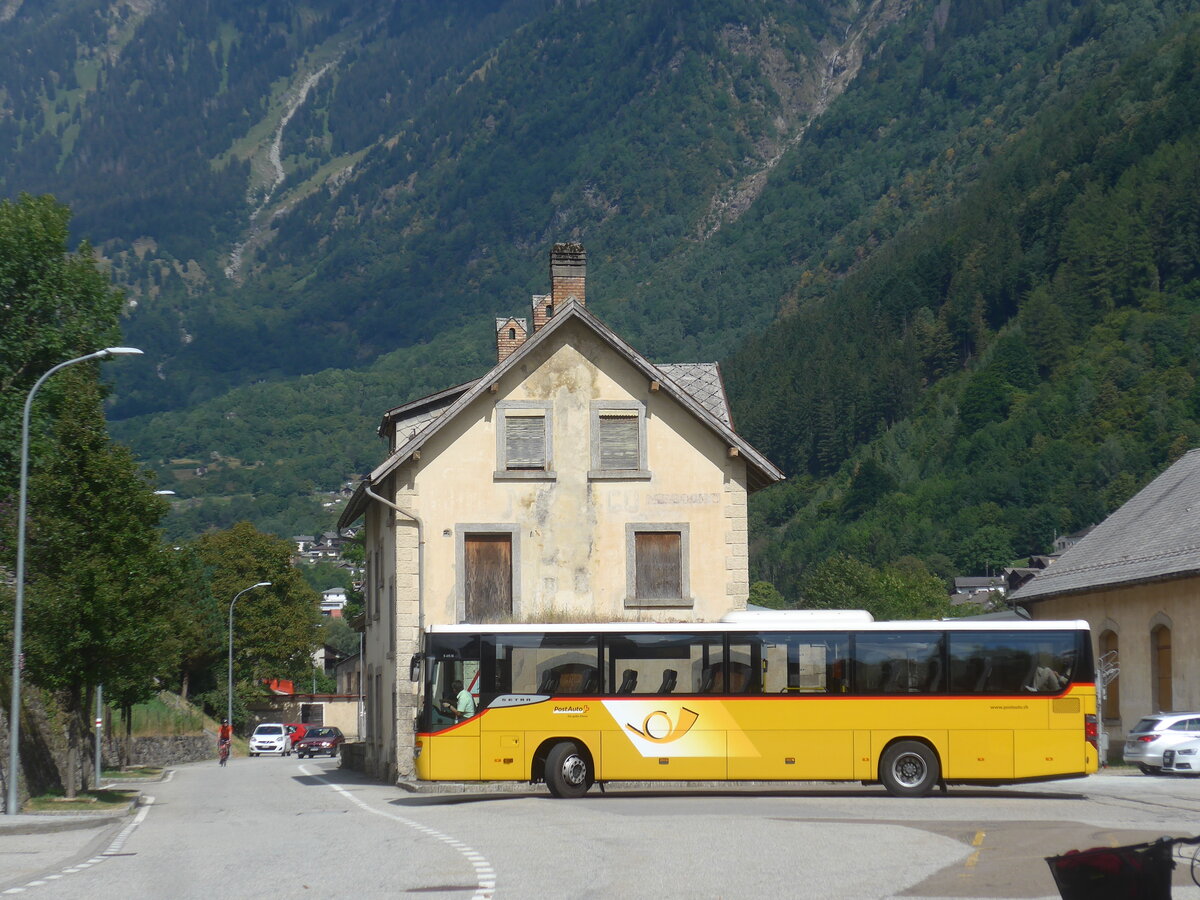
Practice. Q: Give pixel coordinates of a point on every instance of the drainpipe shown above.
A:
(420, 560)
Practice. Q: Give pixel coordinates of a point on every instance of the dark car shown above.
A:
(321, 739)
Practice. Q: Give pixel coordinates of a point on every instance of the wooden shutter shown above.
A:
(659, 565)
(618, 441)
(1163, 695)
(525, 442)
(488, 577)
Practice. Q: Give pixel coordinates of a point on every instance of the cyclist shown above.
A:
(224, 740)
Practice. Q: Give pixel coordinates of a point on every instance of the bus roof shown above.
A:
(768, 623)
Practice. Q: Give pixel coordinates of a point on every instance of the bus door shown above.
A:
(450, 747)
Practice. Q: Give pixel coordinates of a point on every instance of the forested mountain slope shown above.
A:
(1012, 368)
(317, 208)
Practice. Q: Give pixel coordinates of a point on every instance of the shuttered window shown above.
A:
(659, 563)
(618, 441)
(525, 442)
(487, 590)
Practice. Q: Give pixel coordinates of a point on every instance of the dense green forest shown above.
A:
(1014, 367)
(942, 248)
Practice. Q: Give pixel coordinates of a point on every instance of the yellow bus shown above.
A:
(797, 695)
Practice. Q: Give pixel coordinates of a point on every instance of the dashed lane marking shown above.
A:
(114, 849)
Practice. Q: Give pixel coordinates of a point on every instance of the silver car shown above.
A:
(1144, 745)
(1182, 759)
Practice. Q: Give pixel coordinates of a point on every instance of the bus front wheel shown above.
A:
(568, 770)
(909, 769)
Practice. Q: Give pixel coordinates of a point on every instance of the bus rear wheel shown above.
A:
(909, 769)
(568, 770)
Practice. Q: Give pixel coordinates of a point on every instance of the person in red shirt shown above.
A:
(224, 740)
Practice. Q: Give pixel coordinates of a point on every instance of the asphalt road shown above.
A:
(272, 827)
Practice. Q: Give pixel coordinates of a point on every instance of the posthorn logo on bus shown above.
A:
(661, 729)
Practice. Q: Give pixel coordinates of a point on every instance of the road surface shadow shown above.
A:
(1008, 859)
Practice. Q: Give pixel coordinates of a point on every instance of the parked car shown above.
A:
(295, 731)
(321, 739)
(1182, 759)
(271, 737)
(1144, 745)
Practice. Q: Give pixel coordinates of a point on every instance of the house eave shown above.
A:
(1105, 587)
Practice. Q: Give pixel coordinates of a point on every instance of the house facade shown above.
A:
(1136, 579)
(575, 481)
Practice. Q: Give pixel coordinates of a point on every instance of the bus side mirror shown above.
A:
(414, 668)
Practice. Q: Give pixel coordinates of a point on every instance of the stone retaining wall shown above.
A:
(353, 755)
(161, 751)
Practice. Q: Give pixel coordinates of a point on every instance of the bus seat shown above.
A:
(670, 677)
(984, 675)
(1028, 682)
(549, 682)
(707, 679)
(628, 681)
(934, 682)
(591, 684)
(892, 672)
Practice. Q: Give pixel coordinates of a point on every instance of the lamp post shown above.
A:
(14, 709)
(229, 708)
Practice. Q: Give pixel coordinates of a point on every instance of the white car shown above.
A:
(1182, 759)
(271, 737)
(1146, 743)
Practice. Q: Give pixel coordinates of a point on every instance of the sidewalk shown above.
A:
(37, 843)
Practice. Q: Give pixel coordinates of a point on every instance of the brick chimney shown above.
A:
(568, 273)
(510, 334)
(543, 309)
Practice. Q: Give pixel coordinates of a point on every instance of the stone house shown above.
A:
(575, 481)
(1135, 578)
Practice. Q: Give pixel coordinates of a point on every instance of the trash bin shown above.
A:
(1136, 872)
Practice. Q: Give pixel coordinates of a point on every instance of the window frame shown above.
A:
(632, 530)
(635, 409)
(523, 409)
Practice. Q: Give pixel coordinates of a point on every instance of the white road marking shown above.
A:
(484, 873)
(113, 849)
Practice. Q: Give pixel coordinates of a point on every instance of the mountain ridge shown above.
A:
(425, 183)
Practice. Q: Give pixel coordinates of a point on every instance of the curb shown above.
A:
(50, 822)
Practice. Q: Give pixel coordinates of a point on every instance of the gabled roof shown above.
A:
(704, 378)
(416, 414)
(1154, 536)
(703, 382)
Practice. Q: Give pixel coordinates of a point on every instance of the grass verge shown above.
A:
(133, 773)
(84, 801)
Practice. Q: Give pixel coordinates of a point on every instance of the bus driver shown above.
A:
(465, 703)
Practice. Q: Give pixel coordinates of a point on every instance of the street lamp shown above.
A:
(14, 709)
(229, 708)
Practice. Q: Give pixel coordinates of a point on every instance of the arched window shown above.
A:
(549, 310)
(1160, 669)
(1112, 692)
(512, 334)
